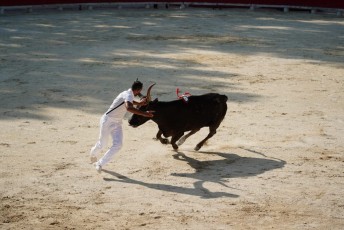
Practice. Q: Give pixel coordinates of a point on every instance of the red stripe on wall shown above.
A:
(307, 3)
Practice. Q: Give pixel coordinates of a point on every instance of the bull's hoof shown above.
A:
(164, 141)
(197, 148)
(175, 147)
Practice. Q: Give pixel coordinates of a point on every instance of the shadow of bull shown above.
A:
(217, 171)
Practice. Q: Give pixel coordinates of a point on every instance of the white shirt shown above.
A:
(118, 113)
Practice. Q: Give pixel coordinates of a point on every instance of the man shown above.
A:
(111, 123)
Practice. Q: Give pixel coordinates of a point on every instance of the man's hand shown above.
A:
(132, 109)
(143, 102)
(148, 114)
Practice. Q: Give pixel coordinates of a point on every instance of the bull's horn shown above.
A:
(149, 98)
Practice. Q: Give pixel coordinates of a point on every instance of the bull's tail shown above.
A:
(221, 99)
(224, 98)
(222, 107)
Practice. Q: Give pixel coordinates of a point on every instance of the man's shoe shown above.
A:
(98, 168)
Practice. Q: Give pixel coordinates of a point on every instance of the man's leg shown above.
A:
(117, 140)
(102, 141)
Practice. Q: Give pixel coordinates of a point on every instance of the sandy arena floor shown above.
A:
(277, 160)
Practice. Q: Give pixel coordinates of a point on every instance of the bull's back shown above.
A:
(208, 108)
(199, 111)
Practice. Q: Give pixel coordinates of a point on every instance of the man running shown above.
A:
(111, 123)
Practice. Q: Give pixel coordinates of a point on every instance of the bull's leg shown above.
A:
(176, 138)
(160, 138)
(212, 132)
(183, 138)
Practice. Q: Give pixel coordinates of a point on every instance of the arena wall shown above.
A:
(338, 4)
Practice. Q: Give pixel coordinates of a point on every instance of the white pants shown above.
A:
(108, 127)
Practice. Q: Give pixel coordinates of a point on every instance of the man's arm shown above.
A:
(141, 103)
(130, 108)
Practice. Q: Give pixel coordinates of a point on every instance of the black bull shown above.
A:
(176, 117)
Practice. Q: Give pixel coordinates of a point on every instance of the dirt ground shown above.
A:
(276, 162)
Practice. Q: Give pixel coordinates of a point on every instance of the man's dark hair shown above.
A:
(136, 85)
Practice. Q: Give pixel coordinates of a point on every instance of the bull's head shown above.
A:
(137, 120)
